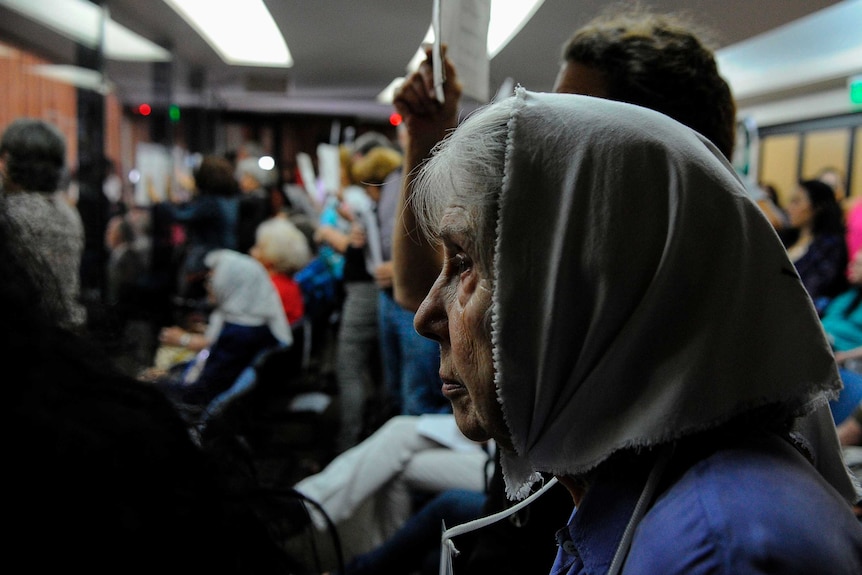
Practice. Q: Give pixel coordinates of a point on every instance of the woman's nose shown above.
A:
(430, 320)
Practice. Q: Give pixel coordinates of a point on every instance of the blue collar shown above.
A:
(596, 526)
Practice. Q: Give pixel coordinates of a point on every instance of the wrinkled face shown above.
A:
(456, 313)
(799, 210)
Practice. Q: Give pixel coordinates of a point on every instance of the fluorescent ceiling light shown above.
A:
(507, 19)
(123, 44)
(74, 75)
(242, 32)
(81, 21)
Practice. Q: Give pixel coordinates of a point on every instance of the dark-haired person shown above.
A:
(101, 471)
(209, 219)
(32, 164)
(815, 241)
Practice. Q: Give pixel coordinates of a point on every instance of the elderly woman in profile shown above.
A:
(602, 314)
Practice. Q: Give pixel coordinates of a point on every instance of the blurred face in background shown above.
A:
(577, 78)
(799, 209)
(257, 251)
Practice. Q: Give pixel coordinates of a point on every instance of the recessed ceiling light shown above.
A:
(82, 21)
(74, 75)
(242, 32)
(507, 19)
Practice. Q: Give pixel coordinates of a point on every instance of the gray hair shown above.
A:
(283, 245)
(467, 169)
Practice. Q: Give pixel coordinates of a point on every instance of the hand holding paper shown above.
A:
(425, 116)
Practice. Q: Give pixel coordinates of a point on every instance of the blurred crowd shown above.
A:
(235, 289)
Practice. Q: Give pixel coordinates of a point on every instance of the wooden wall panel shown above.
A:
(113, 120)
(6, 68)
(779, 161)
(25, 94)
(825, 148)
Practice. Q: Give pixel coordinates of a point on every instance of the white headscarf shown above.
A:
(640, 295)
(244, 295)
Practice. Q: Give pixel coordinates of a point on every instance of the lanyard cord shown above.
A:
(643, 503)
(447, 548)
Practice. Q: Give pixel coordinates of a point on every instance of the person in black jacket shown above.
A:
(102, 472)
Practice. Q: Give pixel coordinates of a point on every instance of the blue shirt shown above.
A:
(209, 220)
(755, 508)
(822, 268)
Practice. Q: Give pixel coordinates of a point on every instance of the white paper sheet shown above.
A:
(463, 27)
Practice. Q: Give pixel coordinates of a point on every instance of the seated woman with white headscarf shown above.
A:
(614, 310)
(247, 319)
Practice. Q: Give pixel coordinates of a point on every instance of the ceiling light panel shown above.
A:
(242, 32)
(507, 19)
(81, 21)
(74, 75)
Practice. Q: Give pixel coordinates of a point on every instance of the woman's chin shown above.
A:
(469, 425)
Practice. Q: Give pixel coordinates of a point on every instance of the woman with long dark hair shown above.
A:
(816, 243)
